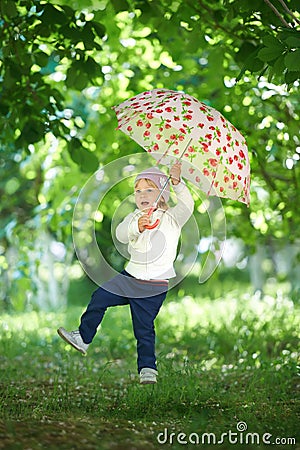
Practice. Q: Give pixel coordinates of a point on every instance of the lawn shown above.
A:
(227, 379)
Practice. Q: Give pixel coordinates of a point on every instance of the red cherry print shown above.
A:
(213, 162)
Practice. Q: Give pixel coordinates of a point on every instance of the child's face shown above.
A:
(145, 195)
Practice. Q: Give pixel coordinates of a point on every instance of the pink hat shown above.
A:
(158, 177)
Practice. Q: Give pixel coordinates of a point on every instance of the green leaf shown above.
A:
(99, 28)
(53, 15)
(8, 9)
(291, 77)
(292, 61)
(293, 42)
(279, 65)
(33, 131)
(120, 5)
(270, 41)
(68, 11)
(267, 54)
(246, 49)
(41, 58)
(87, 161)
(254, 64)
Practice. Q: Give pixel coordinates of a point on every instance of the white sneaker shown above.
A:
(73, 338)
(148, 376)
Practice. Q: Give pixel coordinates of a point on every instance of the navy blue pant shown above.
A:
(145, 299)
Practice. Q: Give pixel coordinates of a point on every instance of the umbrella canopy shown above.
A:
(172, 124)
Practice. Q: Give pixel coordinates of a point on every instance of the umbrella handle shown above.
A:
(153, 225)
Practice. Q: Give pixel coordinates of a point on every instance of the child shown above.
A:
(144, 283)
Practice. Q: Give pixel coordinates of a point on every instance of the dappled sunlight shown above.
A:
(189, 312)
(230, 334)
(230, 356)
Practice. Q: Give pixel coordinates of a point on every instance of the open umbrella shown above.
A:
(172, 124)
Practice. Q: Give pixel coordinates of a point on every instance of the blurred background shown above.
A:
(63, 67)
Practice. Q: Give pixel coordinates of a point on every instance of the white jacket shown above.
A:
(153, 252)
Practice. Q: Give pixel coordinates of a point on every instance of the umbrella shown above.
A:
(172, 124)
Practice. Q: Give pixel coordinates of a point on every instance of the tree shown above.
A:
(63, 67)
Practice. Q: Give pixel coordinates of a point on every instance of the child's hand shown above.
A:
(175, 172)
(143, 221)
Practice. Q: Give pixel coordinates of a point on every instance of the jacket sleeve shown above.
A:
(128, 229)
(184, 208)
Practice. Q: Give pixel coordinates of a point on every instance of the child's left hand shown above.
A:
(175, 172)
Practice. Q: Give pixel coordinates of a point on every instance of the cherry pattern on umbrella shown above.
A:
(176, 124)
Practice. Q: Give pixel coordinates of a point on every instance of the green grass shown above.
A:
(221, 362)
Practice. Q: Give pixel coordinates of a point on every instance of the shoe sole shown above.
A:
(65, 338)
(148, 382)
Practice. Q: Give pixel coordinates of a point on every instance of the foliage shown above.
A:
(63, 66)
(221, 361)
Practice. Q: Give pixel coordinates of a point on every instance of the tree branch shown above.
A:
(275, 10)
(210, 19)
(289, 11)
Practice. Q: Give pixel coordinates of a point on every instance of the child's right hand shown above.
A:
(143, 221)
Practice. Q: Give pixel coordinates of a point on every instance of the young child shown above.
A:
(144, 283)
